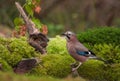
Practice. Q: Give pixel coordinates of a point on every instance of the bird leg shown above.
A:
(75, 68)
(73, 64)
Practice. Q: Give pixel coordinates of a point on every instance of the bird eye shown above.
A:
(69, 34)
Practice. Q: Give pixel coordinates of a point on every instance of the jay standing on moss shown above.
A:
(77, 50)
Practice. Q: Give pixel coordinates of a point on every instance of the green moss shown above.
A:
(13, 77)
(100, 35)
(22, 47)
(57, 62)
(5, 65)
(4, 52)
(14, 59)
(54, 65)
(92, 70)
(109, 52)
(14, 49)
(4, 41)
(112, 72)
(57, 46)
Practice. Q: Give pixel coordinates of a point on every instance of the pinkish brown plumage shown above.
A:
(77, 50)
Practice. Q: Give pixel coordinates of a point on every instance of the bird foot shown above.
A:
(73, 65)
(74, 69)
(75, 72)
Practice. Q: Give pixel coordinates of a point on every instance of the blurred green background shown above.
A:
(63, 15)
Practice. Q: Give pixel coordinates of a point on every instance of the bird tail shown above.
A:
(106, 62)
(98, 58)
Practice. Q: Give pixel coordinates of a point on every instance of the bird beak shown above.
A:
(63, 34)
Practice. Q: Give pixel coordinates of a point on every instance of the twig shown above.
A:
(36, 38)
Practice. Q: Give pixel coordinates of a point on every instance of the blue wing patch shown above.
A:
(83, 53)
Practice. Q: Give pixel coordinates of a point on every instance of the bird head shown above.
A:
(70, 36)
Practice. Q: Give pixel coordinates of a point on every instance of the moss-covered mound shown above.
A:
(57, 62)
(8, 76)
(14, 49)
(57, 45)
(54, 65)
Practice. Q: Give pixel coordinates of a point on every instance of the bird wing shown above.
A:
(82, 50)
(85, 53)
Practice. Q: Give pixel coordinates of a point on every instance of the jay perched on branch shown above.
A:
(77, 50)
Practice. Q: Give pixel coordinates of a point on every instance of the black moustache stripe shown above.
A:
(68, 37)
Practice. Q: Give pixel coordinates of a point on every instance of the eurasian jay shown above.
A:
(77, 50)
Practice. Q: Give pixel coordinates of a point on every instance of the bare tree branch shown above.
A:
(30, 25)
(36, 38)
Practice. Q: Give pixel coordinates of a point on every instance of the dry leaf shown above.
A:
(37, 9)
(44, 30)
